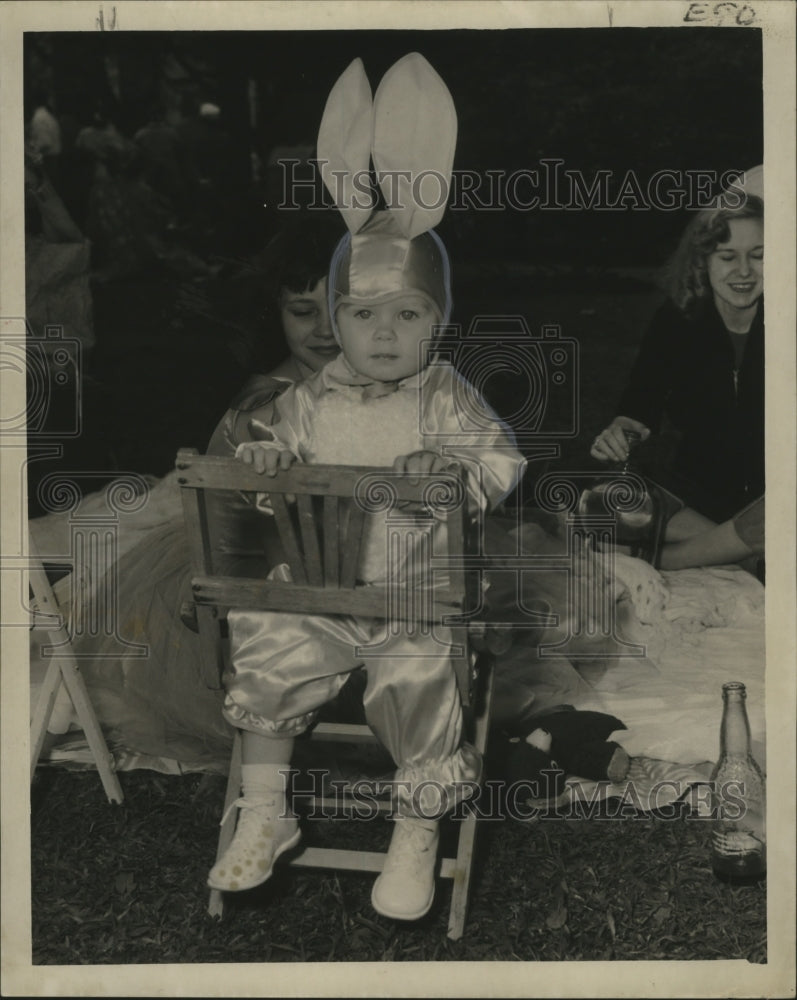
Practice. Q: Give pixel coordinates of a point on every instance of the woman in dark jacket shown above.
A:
(701, 364)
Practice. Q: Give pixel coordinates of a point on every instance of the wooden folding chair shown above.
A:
(63, 670)
(320, 512)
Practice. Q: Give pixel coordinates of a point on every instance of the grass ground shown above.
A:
(126, 884)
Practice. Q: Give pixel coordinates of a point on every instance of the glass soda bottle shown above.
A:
(738, 839)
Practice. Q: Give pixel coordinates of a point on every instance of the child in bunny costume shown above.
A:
(383, 401)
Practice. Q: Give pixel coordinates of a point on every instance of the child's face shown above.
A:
(305, 323)
(383, 341)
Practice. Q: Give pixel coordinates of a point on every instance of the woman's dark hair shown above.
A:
(298, 257)
(685, 276)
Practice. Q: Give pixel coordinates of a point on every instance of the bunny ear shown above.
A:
(415, 131)
(344, 145)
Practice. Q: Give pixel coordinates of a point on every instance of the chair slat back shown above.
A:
(288, 536)
(352, 533)
(195, 516)
(331, 529)
(309, 531)
(320, 513)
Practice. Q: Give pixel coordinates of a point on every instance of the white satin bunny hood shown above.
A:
(409, 130)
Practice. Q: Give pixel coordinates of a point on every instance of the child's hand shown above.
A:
(265, 460)
(420, 463)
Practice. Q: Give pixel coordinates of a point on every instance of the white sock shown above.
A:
(260, 781)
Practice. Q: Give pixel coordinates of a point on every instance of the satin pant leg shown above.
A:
(412, 703)
(285, 667)
(411, 700)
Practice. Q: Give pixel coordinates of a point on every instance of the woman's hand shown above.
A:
(265, 459)
(420, 463)
(611, 444)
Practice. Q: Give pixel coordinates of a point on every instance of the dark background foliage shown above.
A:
(633, 99)
(172, 349)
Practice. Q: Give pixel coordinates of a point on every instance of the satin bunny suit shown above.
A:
(285, 667)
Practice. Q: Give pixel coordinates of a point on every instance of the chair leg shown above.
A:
(211, 663)
(76, 688)
(466, 843)
(216, 901)
(63, 668)
(42, 712)
(463, 869)
(66, 672)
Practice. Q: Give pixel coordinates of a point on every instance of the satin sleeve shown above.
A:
(290, 430)
(256, 404)
(460, 425)
(242, 544)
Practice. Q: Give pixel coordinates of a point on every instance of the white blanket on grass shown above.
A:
(700, 628)
(708, 630)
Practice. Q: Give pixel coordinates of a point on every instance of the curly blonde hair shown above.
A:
(685, 276)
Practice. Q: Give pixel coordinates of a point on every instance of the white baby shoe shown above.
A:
(405, 888)
(264, 831)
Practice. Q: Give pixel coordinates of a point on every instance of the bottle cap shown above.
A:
(734, 687)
